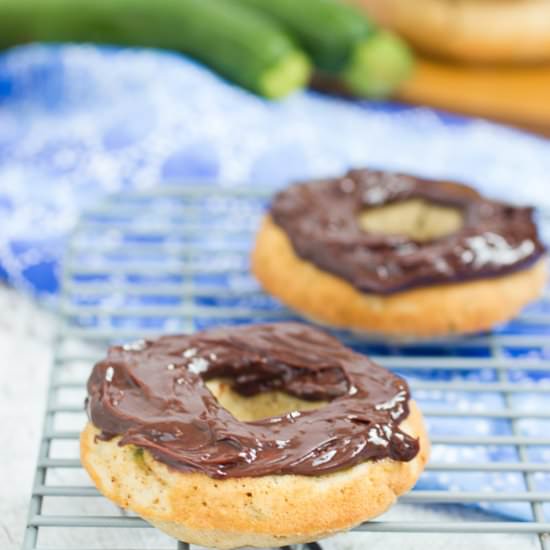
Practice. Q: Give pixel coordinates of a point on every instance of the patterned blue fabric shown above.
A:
(78, 122)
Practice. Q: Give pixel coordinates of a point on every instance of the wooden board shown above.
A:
(518, 95)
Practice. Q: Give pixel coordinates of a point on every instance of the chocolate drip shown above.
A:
(153, 394)
(321, 220)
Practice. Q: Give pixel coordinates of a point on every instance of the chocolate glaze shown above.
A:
(153, 394)
(321, 220)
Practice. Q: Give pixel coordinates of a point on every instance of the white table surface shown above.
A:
(25, 348)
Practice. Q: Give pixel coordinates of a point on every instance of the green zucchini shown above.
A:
(241, 44)
(378, 66)
(342, 41)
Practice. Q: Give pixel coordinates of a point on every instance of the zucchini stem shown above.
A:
(288, 74)
(378, 65)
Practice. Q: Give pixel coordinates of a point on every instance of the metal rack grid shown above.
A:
(176, 259)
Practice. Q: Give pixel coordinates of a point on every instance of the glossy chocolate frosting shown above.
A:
(321, 220)
(153, 394)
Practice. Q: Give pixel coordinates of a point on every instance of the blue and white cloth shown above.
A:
(78, 122)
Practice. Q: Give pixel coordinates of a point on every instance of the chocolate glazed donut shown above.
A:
(321, 221)
(325, 264)
(155, 398)
(160, 443)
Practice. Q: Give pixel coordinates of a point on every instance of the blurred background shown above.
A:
(113, 96)
(483, 57)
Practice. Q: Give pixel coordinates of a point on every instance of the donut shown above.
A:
(398, 255)
(259, 435)
(473, 31)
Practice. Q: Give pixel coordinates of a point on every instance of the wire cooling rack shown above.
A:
(176, 260)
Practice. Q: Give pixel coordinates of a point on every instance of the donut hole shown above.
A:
(260, 406)
(417, 219)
